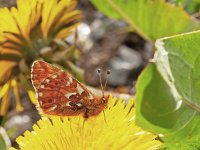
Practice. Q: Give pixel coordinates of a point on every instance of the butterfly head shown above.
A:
(100, 102)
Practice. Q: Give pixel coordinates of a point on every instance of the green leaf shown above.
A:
(185, 139)
(152, 19)
(168, 97)
(2, 144)
(157, 109)
(4, 140)
(178, 60)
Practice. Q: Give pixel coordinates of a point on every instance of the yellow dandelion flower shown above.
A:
(26, 30)
(32, 25)
(5, 91)
(114, 129)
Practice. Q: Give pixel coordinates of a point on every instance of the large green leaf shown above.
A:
(152, 19)
(168, 96)
(156, 104)
(178, 59)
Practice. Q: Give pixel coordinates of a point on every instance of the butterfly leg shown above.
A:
(86, 114)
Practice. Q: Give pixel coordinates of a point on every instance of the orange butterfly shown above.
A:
(60, 94)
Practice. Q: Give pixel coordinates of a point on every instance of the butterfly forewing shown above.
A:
(58, 92)
(40, 71)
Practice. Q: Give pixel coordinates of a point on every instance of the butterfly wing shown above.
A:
(58, 92)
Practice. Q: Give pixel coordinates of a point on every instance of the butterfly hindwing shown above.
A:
(58, 92)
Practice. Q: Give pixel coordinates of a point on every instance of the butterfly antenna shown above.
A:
(100, 78)
(107, 76)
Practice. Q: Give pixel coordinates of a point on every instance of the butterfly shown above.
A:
(60, 94)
